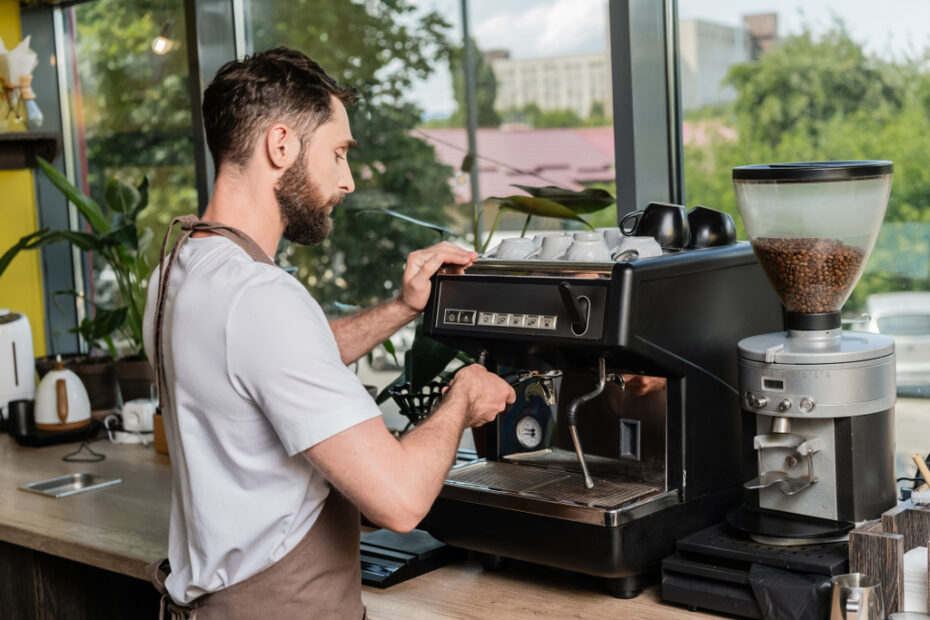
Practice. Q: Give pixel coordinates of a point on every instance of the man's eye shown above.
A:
(338, 157)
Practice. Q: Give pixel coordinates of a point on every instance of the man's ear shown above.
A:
(282, 145)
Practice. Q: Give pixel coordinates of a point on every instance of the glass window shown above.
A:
(131, 114)
(823, 80)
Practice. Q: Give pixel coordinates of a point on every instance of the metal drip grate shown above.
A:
(552, 485)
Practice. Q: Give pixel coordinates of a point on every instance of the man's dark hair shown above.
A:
(247, 96)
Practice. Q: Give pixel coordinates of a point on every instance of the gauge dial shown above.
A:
(529, 432)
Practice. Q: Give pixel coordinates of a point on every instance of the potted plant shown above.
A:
(114, 238)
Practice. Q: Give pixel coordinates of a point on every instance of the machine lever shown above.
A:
(576, 307)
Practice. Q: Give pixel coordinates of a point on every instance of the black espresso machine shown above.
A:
(581, 473)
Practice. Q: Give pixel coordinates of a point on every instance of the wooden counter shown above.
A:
(120, 529)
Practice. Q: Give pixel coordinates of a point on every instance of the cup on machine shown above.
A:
(666, 223)
(516, 248)
(588, 246)
(553, 247)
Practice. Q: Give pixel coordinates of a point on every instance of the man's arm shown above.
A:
(395, 482)
(358, 334)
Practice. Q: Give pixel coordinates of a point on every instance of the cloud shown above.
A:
(559, 27)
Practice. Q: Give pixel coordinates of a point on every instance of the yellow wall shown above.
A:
(21, 283)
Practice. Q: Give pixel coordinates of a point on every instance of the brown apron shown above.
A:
(321, 576)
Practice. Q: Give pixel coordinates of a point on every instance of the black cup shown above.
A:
(21, 418)
(710, 228)
(667, 223)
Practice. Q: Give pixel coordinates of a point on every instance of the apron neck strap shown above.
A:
(189, 225)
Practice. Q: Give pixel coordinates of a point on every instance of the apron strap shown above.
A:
(157, 572)
(189, 225)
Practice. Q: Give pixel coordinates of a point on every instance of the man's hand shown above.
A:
(482, 394)
(422, 264)
(640, 385)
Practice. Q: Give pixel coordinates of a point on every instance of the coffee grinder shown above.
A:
(818, 401)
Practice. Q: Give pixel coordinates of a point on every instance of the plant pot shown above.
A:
(136, 377)
(98, 375)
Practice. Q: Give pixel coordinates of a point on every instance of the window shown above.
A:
(130, 112)
(807, 81)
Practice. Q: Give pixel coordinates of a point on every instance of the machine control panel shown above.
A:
(499, 319)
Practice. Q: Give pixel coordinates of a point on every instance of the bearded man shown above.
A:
(275, 445)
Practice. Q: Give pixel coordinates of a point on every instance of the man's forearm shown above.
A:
(358, 334)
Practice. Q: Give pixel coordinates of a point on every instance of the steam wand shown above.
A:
(572, 413)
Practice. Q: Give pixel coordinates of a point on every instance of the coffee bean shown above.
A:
(810, 275)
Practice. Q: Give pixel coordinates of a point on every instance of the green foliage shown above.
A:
(485, 88)
(379, 48)
(115, 240)
(823, 98)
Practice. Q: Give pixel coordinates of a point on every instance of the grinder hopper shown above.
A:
(812, 226)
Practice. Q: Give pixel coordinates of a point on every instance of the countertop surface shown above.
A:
(122, 528)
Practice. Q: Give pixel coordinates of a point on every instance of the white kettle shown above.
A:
(17, 365)
(61, 403)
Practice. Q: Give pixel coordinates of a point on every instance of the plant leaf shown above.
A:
(126, 235)
(586, 201)
(143, 190)
(88, 208)
(120, 196)
(85, 241)
(539, 206)
(427, 359)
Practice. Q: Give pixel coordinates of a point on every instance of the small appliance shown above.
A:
(61, 403)
(17, 364)
(817, 401)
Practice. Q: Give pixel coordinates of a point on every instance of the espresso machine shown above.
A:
(817, 401)
(581, 473)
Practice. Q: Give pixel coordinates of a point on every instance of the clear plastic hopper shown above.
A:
(813, 225)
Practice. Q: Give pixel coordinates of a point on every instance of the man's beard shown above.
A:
(304, 209)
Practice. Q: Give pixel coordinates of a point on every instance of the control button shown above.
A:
(485, 318)
(547, 322)
(516, 320)
(757, 402)
(501, 318)
(452, 316)
(784, 405)
(466, 317)
(531, 321)
(807, 404)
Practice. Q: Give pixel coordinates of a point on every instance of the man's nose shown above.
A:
(346, 182)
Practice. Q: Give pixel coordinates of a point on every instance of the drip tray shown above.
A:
(548, 484)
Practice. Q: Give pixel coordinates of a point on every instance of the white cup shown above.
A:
(644, 247)
(516, 248)
(588, 246)
(137, 415)
(612, 236)
(553, 247)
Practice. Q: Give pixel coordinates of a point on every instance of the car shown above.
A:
(905, 316)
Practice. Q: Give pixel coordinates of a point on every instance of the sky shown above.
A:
(531, 28)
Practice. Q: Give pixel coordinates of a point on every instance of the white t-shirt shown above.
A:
(254, 378)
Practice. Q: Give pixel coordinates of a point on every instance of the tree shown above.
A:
(822, 98)
(485, 88)
(379, 47)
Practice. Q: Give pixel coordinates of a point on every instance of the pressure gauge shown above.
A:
(529, 432)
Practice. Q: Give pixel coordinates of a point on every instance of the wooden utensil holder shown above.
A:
(877, 548)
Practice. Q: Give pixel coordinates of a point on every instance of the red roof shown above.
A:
(568, 158)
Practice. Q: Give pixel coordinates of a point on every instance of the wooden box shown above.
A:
(877, 548)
